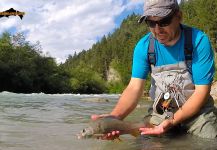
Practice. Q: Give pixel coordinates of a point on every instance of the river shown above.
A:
(51, 122)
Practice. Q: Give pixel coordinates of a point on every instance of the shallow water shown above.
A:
(51, 122)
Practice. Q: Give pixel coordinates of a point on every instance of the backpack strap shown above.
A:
(188, 46)
(151, 51)
(188, 43)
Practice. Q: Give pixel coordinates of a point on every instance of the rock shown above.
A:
(214, 91)
(96, 100)
(113, 75)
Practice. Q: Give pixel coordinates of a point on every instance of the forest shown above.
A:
(24, 68)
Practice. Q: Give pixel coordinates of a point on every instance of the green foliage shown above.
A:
(24, 70)
(85, 80)
(115, 87)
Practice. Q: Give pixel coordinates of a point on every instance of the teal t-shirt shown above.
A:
(203, 66)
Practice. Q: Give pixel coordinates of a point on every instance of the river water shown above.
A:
(51, 122)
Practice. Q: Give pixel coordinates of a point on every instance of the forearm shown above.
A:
(126, 104)
(192, 105)
(128, 100)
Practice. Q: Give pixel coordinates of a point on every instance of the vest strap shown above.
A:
(188, 43)
(151, 51)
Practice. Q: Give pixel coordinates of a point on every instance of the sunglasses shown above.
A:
(161, 23)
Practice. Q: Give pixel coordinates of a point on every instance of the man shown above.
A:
(180, 90)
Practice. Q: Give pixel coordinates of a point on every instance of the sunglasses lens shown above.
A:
(162, 23)
(165, 22)
(151, 23)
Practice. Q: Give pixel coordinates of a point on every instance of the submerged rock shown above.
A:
(96, 100)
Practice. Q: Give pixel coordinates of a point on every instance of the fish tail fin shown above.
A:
(135, 133)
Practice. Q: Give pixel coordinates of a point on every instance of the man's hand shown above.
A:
(95, 117)
(109, 136)
(157, 130)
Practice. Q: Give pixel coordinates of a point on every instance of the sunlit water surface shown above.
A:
(51, 122)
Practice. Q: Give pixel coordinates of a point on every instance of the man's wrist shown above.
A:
(173, 122)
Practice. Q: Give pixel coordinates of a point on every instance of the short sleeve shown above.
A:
(140, 68)
(203, 66)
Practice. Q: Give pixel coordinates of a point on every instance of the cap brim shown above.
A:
(155, 12)
(143, 18)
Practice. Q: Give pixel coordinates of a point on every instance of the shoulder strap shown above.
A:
(151, 51)
(188, 47)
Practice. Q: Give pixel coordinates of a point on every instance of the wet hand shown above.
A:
(111, 136)
(157, 130)
(95, 117)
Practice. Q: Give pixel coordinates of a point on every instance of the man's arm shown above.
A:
(191, 107)
(193, 104)
(127, 101)
(129, 98)
(125, 105)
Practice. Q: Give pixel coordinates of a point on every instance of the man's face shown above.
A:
(165, 30)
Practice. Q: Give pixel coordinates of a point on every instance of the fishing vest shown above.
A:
(171, 85)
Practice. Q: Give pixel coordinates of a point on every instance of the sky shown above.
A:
(64, 27)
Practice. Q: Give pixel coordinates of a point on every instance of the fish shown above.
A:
(12, 12)
(101, 126)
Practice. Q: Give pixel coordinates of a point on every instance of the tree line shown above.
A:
(24, 69)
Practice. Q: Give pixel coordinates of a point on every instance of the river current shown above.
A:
(51, 122)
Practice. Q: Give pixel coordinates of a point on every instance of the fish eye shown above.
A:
(83, 130)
